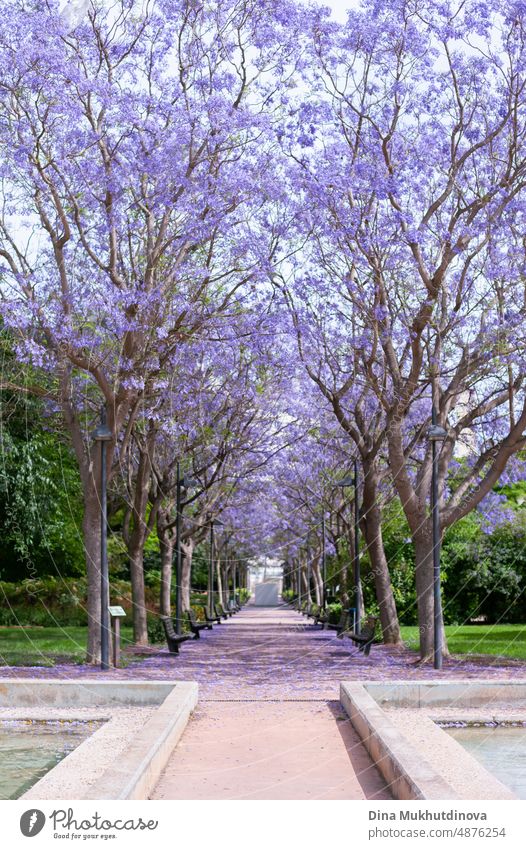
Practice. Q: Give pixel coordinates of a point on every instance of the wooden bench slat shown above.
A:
(365, 638)
(173, 639)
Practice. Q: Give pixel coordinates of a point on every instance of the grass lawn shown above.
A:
(503, 640)
(35, 646)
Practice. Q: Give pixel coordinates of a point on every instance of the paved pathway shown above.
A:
(270, 750)
(263, 729)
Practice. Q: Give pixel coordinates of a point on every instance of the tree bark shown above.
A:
(318, 582)
(166, 546)
(91, 531)
(219, 583)
(340, 580)
(372, 527)
(136, 558)
(187, 550)
(225, 582)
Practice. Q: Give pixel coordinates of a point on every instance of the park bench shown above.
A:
(173, 639)
(342, 625)
(195, 626)
(365, 638)
(211, 620)
(220, 611)
(233, 606)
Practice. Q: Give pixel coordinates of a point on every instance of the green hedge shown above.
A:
(50, 601)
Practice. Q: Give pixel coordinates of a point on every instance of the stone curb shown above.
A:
(137, 772)
(408, 775)
(460, 693)
(84, 692)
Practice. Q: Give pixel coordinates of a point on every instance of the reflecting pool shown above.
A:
(501, 750)
(29, 749)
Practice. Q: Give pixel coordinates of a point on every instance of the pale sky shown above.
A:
(340, 7)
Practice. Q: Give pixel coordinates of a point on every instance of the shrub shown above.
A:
(155, 628)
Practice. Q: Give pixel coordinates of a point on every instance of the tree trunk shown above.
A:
(166, 546)
(91, 532)
(226, 588)
(342, 579)
(382, 580)
(219, 583)
(318, 582)
(187, 550)
(423, 542)
(136, 557)
(303, 582)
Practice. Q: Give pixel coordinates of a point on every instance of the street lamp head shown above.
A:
(435, 433)
(349, 481)
(102, 433)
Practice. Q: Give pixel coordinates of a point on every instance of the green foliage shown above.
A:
(40, 507)
(200, 561)
(155, 628)
(335, 611)
(515, 494)
(47, 601)
(485, 574)
(52, 601)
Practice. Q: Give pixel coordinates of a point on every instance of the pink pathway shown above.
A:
(268, 727)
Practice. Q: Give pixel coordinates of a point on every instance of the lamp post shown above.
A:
(299, 583)
(182, 483)
(309, 577)
(323, 564)
(102, 434)
(211, 572)
(436, 434)
(354, 481)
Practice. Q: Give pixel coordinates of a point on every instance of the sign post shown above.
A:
(116, 613)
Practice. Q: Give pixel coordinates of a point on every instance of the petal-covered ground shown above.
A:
(275, 653)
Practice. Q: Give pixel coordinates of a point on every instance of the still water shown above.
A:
(30, 749)
(501, 750)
